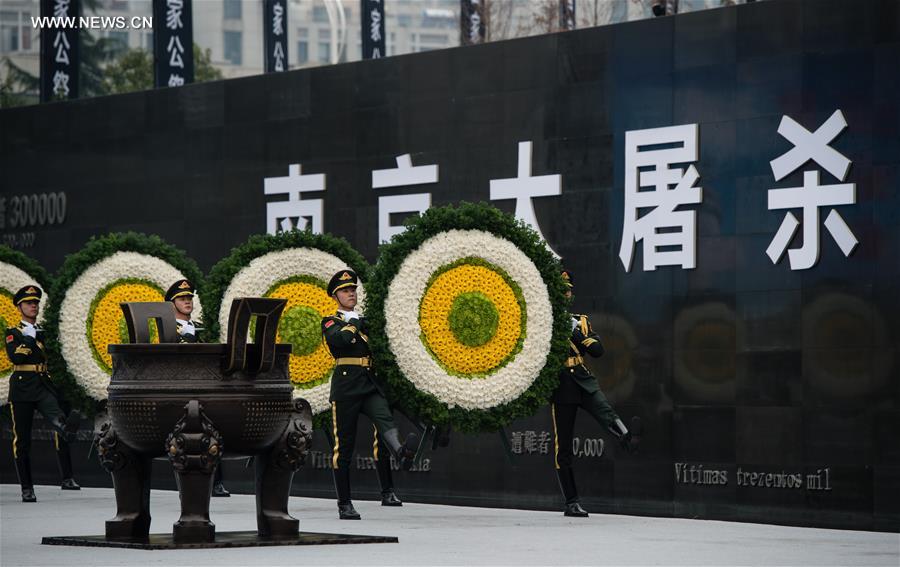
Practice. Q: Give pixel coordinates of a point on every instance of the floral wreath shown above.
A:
(468, 320)
(83, 315)
(16, 271)
(295, 266)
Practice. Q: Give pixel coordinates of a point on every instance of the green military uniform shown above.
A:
(189, 332)
(30, 389)
(578, 388)
(354, 390)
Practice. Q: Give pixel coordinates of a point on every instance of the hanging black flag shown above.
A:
(59, 49)
(471, 22)
(374, 45)
(567, 14)
(275, 18)
(173, 43)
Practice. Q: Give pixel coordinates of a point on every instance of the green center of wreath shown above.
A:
(300, 326)
(3, 324)
(123, 330)
(473, 318)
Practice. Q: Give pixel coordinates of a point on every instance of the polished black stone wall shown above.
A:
(739, 367)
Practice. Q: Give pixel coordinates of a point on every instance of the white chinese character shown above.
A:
(529, 442)
(375, 26)
(544, 442)
(61, 43)
(175, 80)
(173, 14)
(404, 174)
(662, 226)
(61, 83)
(278, 19)
(811, 146)
(175, 50)
(279, 56)
(294, 213)
(525, 187)
(61, 8)
(376, 53)
(516, 443)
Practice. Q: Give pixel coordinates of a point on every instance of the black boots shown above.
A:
(23, 469)
(28, 495)
(567, 484)
(629, 440)
(69, 484)
(386, 481)
(218, 489)
(346, 511)
(404, 452)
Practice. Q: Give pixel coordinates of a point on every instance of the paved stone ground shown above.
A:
(432, 535)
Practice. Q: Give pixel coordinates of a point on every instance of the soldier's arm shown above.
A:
(17, 347)
(338, 333)
(587, 340)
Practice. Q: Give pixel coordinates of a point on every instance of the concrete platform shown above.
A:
(431, 535)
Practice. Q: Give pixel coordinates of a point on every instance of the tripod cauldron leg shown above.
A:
(195, 449)
(275, 470)
(131, 482)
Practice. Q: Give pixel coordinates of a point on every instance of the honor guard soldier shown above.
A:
(181, 294)
(355, 390)
(578, 388)
(30, 389)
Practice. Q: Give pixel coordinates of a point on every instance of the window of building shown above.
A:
(302, 46)
(148, 41)
(320, 14)
(324, 46)
(118, 41)
(119, 5)
(9, 31)
(233, 48)
(232, 9)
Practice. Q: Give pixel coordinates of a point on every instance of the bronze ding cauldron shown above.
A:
(193, 403)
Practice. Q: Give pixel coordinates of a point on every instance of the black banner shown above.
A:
(567, 14)
(374, 44)
(59, 50)
(173, 43)
(275, 17)
(471, 22)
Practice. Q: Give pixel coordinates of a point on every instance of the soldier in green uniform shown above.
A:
(578, 388)
(181, 294)
(30, 388)
(355, 390)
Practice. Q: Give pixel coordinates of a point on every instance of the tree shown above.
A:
(19, 87)
(134, 71)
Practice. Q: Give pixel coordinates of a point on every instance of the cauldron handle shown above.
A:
(138, 314)
(261, 358)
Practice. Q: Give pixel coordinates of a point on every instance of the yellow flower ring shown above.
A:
(497, 294)
(12, 278)
(106, 323)
(308, 302)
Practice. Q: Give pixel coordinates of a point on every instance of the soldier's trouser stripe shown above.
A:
(555, 437)
(56, 440)
(375, 443)
(12, 412)
(337, 440)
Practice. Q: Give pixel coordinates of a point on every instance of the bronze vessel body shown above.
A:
(194, 403)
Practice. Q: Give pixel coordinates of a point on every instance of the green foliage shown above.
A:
(133, 71)
(473, 318)
(96, 249)
(302, 327)
(27, 265)
(466, 216)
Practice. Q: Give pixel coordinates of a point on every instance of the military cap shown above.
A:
(568, 278)
(28, 293)
(180, 288)
(342, 279)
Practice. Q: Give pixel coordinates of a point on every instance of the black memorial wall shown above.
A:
(768, 394)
